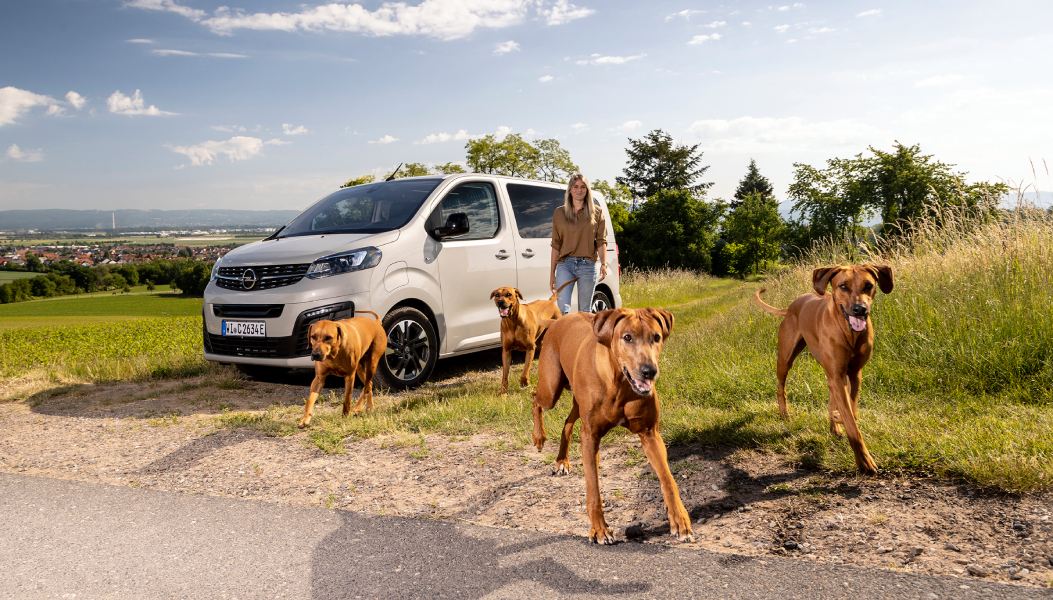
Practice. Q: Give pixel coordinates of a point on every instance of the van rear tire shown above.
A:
(601, 301)
(413, 349)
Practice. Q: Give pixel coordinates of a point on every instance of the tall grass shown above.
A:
(667, 287)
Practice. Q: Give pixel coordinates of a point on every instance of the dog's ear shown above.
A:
(604, 322)
(821, 278)
(883, 274)
(339, 331)
(494, 293)
(665, 320)
(519, 294)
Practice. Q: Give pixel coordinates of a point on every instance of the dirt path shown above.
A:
(745, 503)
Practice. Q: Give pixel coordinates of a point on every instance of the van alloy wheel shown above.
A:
(413, 348)
(600, 301)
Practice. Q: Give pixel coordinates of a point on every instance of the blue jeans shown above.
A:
(587, 271)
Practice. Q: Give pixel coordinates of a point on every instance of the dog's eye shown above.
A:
(328, 338)
(657, 338)
(843, 287)
(868, 287)
(628, 338)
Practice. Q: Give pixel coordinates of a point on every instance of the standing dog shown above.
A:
(610, 360)
(522, 327)
(345, 348)
(836, 329)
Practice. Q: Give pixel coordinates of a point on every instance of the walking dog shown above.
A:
(521, 327)
(610, 360)
(836, 329)
(345, 348)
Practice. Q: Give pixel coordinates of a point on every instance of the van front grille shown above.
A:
(260, 277)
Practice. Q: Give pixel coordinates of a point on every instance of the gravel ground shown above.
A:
(740, 502)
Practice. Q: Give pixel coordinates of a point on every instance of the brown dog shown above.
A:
(610, 360)
(522, 325)
(836, 329)
(345, 348)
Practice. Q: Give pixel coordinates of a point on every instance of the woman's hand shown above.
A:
(552, 282)
(603, 272)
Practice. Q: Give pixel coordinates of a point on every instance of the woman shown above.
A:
(579, 245)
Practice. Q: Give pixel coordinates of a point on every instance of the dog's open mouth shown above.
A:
(856, 323)
(640, 386)
(503, 311)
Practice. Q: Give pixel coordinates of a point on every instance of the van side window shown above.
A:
(477, 200)
(533, 206)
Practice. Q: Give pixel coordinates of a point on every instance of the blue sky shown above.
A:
(270, 104)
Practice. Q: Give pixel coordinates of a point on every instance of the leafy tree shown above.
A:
(33, 263)
(115, 280)
(485, 155)
(553, 163)
(753, 231)
(185, 252)
(194, 279)
(150, 285)
(656, 164)
(129, 272)
(410, 170)
(672, 229)
(618, 199)
(518, 157)
(43, 287)
(835, 202)
(449, 168)
(359, 180)
(753, 182)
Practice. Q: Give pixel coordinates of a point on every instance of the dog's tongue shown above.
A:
(503, 312)
(643, 385)
(857, 324)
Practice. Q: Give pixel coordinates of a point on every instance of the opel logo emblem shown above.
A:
(248, 279)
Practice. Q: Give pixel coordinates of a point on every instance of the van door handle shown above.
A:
(528, 253)
(503, 254)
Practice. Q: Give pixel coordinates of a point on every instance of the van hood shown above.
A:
(303, 249)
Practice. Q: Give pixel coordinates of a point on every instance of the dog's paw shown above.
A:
(601, 535)
(303, 423)
(524, 382)
(562, 468)
(685, 538)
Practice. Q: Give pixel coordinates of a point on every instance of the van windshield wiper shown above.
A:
(274, 235)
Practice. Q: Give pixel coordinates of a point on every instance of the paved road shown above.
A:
(63, 539)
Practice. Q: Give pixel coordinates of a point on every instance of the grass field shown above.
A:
(9, 276)
(132, 240)
(959, 385)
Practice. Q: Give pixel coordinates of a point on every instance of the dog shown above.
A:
(836, 329)
(345, 348)
(610, 360)
(522, 326)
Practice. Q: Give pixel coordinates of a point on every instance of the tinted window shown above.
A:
(368, 208)
(475, 199)
(533, 207)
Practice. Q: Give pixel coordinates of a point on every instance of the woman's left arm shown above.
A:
(601, 247)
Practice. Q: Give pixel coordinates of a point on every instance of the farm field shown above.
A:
(9, 276)
(140, 303)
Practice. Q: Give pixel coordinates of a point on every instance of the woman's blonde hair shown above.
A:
(568, 201)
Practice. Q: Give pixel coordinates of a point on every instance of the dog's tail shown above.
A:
(369, 312)
(778, 312)
(555, 296)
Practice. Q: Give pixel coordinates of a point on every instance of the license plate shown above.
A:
(245, 328)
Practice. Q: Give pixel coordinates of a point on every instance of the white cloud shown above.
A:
(940, 81)
(288, 129)
(387, 139)
(701, 39)
(444, 137)
(228, 128)
(596, 59)
(161, 52)
(276, 142)
(580, 127)
(629, 126)
(784, 8)
(16, 153)
(781, 28)
(236, 148)
(716, 24)
(752, 134)
(791, 41)
(15, 102)
(545, 78)
(55, 111)
(123, 105)
(822, 30)
(75, 99)
(684, 14)
(562, 12)
(747, 24)
(140, 41)
(179, 167)
(444, 19)
(502, 131)
(505, 47)
(870, 13)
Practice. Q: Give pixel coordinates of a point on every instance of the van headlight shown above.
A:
(215, 269)
(345, 262)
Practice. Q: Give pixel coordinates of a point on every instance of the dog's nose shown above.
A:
(316, 356)
(859, 310)
(648, 372)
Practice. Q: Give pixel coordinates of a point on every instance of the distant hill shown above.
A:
(153, 219)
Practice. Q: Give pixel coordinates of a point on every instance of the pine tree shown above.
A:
(752, 183)
(656, 164)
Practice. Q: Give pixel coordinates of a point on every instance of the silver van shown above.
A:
(422, 252)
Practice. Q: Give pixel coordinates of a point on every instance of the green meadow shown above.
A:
(960, 384)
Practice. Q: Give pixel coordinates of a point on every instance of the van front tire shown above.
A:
(413, 348)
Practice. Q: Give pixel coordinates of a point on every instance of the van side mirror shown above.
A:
(456, 224)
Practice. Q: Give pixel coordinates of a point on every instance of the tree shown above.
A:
(515, 157)
(33, 263)
(410, 170)
(485, 155)
(834, 202)
(672, 229)
(753, 182)
(657, 164)
(359, 181)
(518, 158)
(194, 279)
(449, 168)
(553, 162)
(753, 231)
(618, 199)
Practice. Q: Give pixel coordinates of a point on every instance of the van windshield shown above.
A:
(367, 208)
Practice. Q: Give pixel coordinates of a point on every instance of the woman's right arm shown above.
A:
(552, 270)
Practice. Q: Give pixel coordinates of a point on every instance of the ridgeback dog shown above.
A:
(345, 348)
(522, 327)
(835, 328)
(610, 360)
